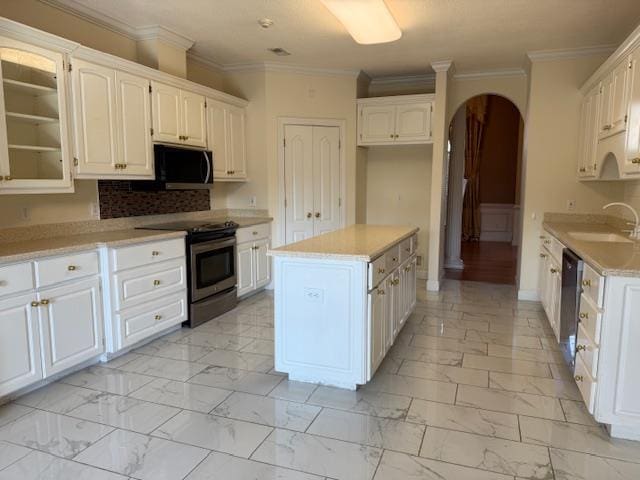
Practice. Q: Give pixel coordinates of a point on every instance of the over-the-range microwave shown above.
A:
(179, 168)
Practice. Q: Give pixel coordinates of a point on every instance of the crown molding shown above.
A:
(158, 32)
(428, 79)
(205, 61)
(505, 72)
(567, 54)
(442, 66)
(19, 31)
(283, 67)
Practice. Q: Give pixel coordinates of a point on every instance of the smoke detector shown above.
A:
(265, 22)
(281, 52)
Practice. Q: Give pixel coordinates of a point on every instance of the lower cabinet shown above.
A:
(378, 320)
(71, 324)
(20, 359)
(254, 266)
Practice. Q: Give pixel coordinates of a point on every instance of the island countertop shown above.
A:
(358, 243)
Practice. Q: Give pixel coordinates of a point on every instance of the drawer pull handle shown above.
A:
(407, 268)
(580, 347)
(44, 302)
(586, 283)
(578, 378)
(542, 255)
(35, 304)
(584, 315)
(547, 242)
(71, 268)
(407, 249)
(381, 270)
(158, 317)
(156, 282)
(380, 292)
(636, 160)
(155, 253)
(254, 233)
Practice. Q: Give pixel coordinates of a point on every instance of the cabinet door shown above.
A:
(71, 324)
(299, 183)
(218, 138)
(589, 133)
(393, 302)
(94, 96)
(377, 124)
(413, 122)
(413, 284)
(542, 278)
(557, 294)
(166, 113)
(246, 268)
(377, 327)
(619, 97)
(632, 159)
(134, 125)
(262, 262)
(237, 143)
(403, 294)
(193, 122)
(326, 180)
(20, 360)
(606, 94)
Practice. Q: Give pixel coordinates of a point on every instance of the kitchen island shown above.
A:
(340, 300)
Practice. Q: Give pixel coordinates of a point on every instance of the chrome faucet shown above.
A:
(635, 233)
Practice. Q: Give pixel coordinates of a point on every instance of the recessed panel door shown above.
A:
(298, 173)
(413, 122)
(166, 113)
(193, 129)
(377, 124)
(326, 180)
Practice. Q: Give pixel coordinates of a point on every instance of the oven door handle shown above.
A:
(212, 245)
(208, 162)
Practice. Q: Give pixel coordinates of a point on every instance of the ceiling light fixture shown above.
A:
(281, 52)
(367, 21)
(265, 22)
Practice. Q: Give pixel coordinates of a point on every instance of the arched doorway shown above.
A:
(482, 235)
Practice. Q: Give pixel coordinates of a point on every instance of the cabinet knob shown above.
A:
(553, 270)
(7, 177)
(232, 172)
(254, 233)
(71, 268)
(44, 302)
(542, 255)
(380, 292)
(309, 215)
(186, 137)
(396, 135)
(578, 378)
(586, 283)
(381, 270)
(607, 127)
(156, 282)
(35, 304)
(580, 347)
(158, 317)
(394, 259)
(582, 169)
(317, 214)
(391, 136)
(408, 250)
(155, 253)
(583, 315)
(636, 160)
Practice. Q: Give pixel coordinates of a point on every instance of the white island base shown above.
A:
(337, 314)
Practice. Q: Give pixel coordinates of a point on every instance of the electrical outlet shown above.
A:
(571, 205)
(94, 210)
(253, 201)
(419, 260)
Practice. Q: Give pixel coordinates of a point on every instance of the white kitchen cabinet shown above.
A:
(226, 138)
(112, 123)
(631, 165)
(71, 324)
(378, 321)
(589, 115)
(403, 119)
(35, 150)
(613, 114)
(178, 115)
(21, 363)
(253, 264)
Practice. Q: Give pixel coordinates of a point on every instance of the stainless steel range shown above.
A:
(211, 267)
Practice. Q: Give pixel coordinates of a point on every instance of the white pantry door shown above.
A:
(298, 181)
(326, 179)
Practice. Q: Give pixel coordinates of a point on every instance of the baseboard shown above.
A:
(454, 263)
(433, 285)
(625, 432)
(528, 295)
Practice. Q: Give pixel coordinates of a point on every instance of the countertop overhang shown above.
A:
(607, 258)
(356, 243)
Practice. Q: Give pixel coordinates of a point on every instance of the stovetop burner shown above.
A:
(194, 226)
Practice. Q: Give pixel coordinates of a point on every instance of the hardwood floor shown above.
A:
(492, 262)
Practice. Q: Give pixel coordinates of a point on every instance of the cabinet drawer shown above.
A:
(588, 352)
(16, 278)
(255, 232)
(407, 247)
(392, 258)
(592, 285)
(69, 267)
(144, 320)
(147, 253)
(590, 318)
(148, 283)
(586, 385)
(377, 271)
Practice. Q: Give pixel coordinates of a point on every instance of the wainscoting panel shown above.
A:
(496, 220)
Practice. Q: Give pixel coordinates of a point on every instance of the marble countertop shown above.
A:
(357, 242)
(607, 258)
(249, 221)
(30, 249)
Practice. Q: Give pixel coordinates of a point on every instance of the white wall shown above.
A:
(398, 189)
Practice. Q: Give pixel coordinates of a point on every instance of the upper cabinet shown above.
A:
(609, 139)
(112, 118)
(226, 139)
(178, 116)
(35, 152)
(404, 119)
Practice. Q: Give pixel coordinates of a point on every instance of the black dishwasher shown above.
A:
(570, 304)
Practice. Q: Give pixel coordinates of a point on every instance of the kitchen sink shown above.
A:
(600, 237)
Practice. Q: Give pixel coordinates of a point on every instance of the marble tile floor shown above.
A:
(473, 390)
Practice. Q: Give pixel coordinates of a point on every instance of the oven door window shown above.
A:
(214, 266)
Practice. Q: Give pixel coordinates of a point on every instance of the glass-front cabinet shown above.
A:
(34, 135)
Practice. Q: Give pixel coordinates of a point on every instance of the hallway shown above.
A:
(491, 262)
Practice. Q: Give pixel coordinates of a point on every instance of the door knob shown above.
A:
(317, 214)
(309, 215)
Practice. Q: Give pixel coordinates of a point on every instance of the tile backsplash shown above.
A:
(118, 200)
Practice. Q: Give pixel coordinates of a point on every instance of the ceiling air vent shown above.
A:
(281, 52)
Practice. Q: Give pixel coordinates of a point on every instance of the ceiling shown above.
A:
(477, 34)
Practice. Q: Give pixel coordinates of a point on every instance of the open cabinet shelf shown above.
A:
(34, 148)
(27, 88)
(28, 118)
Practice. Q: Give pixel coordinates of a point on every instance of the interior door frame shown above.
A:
(310, 122)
